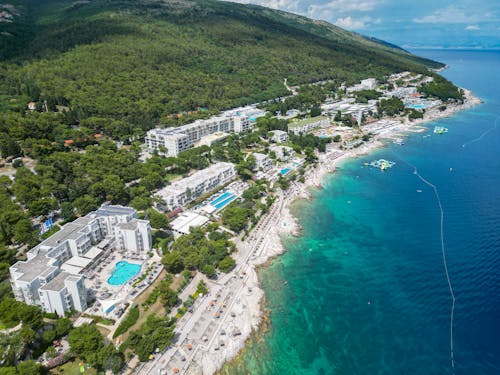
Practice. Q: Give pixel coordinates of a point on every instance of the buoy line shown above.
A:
(483, 134)
(443, 254)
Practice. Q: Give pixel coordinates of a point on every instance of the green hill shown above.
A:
(135, 62)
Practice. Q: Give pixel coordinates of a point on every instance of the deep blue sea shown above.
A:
(366, 291)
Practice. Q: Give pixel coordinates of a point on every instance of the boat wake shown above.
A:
(483, 134)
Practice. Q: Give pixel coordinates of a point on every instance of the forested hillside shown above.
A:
(128, 64)
(103, 70)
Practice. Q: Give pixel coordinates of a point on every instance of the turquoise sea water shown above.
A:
(365, 289)
(123, 272)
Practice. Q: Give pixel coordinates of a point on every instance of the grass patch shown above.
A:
(128, 321)
(50, 232)
(72, 368)
(146, 309)
(100, 319)
(104, 331)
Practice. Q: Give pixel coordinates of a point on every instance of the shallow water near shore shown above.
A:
(363, 290)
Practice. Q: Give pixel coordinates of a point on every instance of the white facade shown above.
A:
(176, 140)
(283, 153)
(167, 141)
(241, 124)
(402, 92)
(304, 126)
(65, 292)
(134, 236)
(262, 161)
(366, 84)
(40, 279)
(279, 136)
(188, 189)
(252, 112)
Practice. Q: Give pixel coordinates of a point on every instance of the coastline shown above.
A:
(264, 243)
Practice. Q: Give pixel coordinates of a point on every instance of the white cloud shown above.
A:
(349, 23)
(472, 27)
(338, 8)
(342, 11)
(356, 23)
(288, 5)
(457, 14)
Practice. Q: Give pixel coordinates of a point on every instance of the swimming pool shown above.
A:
(220, 198)
(123, 272)
(284, 171)
(224, 202)
(416, 106)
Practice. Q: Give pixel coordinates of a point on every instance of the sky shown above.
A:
(410, 24)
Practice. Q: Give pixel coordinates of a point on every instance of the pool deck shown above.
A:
(96, 280)
(220, 205)
(123, 272)
(220, 198)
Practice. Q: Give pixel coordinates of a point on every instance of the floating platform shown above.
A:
(382, 164)
(440, 130)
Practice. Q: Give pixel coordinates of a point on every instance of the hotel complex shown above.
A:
(262, 161)
(282, 153)
(366, 84)
(172, 141)
(279, 136)
(52, 276)
(188, 189)
(308, 124)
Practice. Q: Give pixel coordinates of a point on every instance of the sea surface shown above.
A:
(363, 290)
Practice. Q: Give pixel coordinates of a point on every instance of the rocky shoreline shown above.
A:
(281, 222)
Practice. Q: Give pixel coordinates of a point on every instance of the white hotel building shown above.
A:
(262, 161)
(279, 136)
(306, 125)
(52, 275)
(172, 141)
(188, 189)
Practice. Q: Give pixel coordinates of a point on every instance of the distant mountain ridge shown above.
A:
(138, 61)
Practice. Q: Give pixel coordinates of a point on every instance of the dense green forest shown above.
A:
(125, 65)
(115, 68)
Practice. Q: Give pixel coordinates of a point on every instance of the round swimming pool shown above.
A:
(123, 272)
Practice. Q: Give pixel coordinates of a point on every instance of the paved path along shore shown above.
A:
(221, 322)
